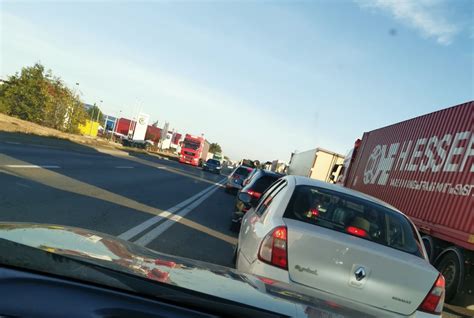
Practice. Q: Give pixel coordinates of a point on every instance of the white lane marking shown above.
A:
(13, 142)
(33, 166)
(124, 167)
(112, 151)
(23, 185)
(173, 218)
(152, 221)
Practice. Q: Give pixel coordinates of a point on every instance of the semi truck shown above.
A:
(318, 163)
(194, 150)
(425, 168)
(218, 156)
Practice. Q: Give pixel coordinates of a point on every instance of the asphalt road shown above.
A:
(166, 206)
(117, 194)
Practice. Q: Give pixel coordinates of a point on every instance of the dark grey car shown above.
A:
(212, 165)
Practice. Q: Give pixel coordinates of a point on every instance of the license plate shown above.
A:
(318, 313)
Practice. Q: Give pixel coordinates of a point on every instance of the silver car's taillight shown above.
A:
(434, 301)
(273, 249)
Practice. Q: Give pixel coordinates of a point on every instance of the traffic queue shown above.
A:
(339, 234)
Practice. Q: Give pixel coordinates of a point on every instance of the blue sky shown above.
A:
(260, 78)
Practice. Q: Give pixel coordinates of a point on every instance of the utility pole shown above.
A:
(92, 116)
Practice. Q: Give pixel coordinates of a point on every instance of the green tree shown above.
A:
(94, 111)
(57, 105)
(76, 114)
(36, 95)
(25, 94)
(215, 148)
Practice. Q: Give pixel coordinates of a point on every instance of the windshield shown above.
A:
(243, 171)
(191, 145)
(214, 162)
(353, 216)
(169, 125)
(263, 183)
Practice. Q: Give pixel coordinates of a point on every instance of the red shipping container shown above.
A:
(153, 133)
(123, 125)
(176, 138)
(425, 168)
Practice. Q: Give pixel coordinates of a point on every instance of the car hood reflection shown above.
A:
(218, 281)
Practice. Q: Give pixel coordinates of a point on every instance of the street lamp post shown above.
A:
(92, 116)
(98, 112)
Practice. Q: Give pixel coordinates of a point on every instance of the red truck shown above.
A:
(424, 167)
(194, 150)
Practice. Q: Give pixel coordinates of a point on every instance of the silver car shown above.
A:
(314, 234)
(236, 178)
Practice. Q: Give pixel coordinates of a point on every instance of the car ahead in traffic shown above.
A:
(311, 233)
(212, 165)
(236, 178)
(255, 184)
(60, 271)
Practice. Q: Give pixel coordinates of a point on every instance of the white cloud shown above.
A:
(427, 16)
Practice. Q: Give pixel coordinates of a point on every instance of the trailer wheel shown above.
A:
(450, 266)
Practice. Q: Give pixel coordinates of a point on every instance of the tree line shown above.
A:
(215, 148)
(36, 95)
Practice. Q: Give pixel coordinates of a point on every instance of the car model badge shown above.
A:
(360, 273)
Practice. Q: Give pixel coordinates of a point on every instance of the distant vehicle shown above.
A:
(212, 165)
(142, 144)
(91, 274)
(424, 167)
(311, 233)
(318, 164)
(235, 179)
(119, 136)
(194, 150)
(230, 165)
(257, 182)
(249, 163)
(218, 156)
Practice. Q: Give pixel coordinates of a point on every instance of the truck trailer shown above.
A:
(318, 163)
(425, 168)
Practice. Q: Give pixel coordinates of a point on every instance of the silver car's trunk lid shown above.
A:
(357, 269)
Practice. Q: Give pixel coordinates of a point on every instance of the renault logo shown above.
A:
(360, 273)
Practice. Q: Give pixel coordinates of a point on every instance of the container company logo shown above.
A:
(372, 166)
(451, 153)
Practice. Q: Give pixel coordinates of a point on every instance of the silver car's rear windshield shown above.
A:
(353, 216)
